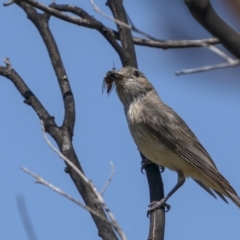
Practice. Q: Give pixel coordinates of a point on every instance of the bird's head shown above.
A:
(131, 84)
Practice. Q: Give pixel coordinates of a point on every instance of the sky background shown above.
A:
(208, 102)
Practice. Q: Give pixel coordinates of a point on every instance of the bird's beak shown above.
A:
(111, 78)
(115, 75)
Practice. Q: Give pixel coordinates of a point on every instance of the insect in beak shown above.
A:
(108, 81)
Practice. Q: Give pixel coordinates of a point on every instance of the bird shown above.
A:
(163, 137)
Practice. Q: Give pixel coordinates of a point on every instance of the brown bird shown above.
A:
(163, 137)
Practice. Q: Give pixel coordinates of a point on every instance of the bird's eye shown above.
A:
(136, 73)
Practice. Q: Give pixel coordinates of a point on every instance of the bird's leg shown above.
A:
(155, 205)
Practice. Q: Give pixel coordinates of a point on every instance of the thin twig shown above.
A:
(163, 44)
(99, 197)
(63, 157)
(97, 9)
(41, 180)
(8, 3)
(8, 63)
(109, 180)
(218, 52)
(135, 29)
(58, 14)
(208, 68)
(230, 61)
(205, 14)
(170, 44)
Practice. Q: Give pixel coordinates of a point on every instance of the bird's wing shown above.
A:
(174, 133)
(205, 188)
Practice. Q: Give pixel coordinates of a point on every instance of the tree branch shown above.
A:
(230, 62)
(62, 135)
(119, 13)
(98, 198)
(41, 23)
(204, 13)
(30, 98)
(110, 34)
(93, 23)
(42, 181)
(156, 192)
(105, 230)
(172, 44)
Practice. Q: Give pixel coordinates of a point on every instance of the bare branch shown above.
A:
(41, 180)
(119, 13)
(52, 10)
(156, 192)
(8, 3)
(109, 180)
(120, 23)
(94, 24)
(41, 23)
(76, 169)
(99, 199)
(205, 14)
(169, 44)
(8, 63)
(90, 22)
(63, 135)
(208, 68)
(152, 41)
(230, 62)
(30, 98)
(219, 52)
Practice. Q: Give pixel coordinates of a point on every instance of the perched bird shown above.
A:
(163, 137)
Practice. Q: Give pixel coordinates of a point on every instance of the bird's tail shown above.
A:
(228, 190)
(234, 197)
(216, 182)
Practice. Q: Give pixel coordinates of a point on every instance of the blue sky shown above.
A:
(208, 102)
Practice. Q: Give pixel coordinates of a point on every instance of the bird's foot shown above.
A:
(156, 205)
(145, 163)
(162, 169)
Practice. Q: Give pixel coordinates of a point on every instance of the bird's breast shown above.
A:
(133, 112)
(152, 147)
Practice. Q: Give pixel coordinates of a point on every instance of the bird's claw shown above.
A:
(145, 163)
(162, 169)
(156, 205)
